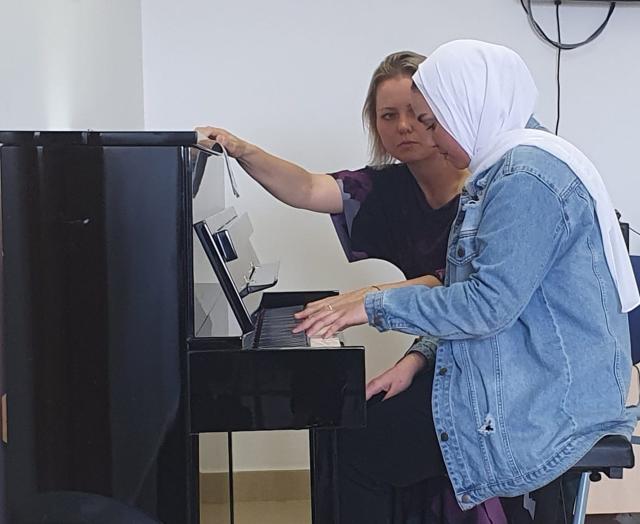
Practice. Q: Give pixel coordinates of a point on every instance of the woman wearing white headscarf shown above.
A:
(533, 362)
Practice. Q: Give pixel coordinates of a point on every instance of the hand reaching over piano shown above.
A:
(285, 180)
(396, 379)
(236, 147)
(328, 316)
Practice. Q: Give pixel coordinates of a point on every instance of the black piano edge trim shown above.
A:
(99, 138)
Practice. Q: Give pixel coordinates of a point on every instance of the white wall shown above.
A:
(291, 76)
(71, 64)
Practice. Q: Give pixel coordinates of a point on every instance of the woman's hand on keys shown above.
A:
(333, 314)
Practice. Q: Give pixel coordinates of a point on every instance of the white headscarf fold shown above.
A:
(483, 95)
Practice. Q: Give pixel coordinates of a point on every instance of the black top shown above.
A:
(386, 215)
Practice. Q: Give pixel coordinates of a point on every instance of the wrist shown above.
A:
(246, 151)
(432, 281)
(414, 360)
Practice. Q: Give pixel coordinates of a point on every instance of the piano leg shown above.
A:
(324, 476)
(232, 517)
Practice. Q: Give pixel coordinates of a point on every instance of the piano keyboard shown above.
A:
(274, 330)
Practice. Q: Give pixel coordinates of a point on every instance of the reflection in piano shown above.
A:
(124, 337)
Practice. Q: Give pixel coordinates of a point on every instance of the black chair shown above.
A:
(613, 453)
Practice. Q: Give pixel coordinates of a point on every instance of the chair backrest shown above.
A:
(634, 316)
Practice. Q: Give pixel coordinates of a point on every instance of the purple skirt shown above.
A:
(433, 501)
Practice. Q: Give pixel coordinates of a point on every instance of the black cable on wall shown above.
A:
(559, 45)
(526, 5)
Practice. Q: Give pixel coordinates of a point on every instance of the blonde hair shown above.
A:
(402, 63)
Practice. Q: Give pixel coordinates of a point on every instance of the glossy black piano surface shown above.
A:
(116, 351)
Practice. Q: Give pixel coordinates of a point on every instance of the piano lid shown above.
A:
(99, 138)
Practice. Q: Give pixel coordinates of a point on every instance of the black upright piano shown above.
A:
(117, 353)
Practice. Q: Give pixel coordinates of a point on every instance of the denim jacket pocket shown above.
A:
(463, 250)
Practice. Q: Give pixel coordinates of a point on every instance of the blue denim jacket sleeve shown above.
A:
(427, 347)
(518, 235)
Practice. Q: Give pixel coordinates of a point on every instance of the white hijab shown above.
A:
(483, 95)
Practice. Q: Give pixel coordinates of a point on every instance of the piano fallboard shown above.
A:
(268, 389)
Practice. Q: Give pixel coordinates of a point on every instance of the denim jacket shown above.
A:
(533, 357)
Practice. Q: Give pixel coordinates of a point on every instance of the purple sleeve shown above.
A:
(355, 186)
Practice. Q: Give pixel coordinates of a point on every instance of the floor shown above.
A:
(297, 512)
(285, 512)
(614, 519)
